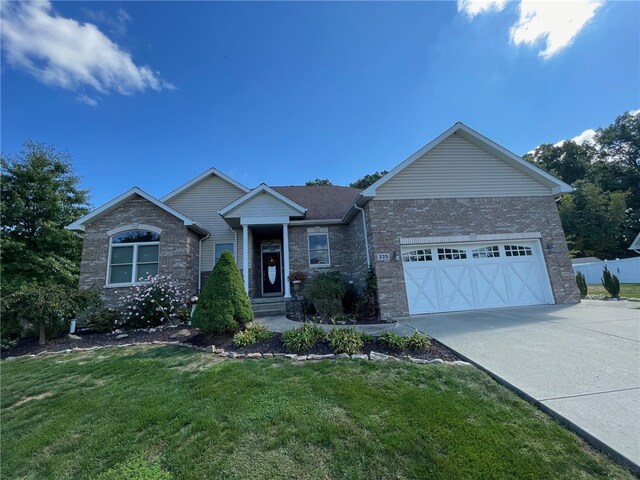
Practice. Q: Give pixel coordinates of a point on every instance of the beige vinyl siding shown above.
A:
(263, 205)
(456, 168)
(201, 203)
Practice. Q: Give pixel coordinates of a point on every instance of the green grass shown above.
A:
(191, 415)
(627, 290)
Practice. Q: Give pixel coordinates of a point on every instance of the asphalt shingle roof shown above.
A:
(322, 202)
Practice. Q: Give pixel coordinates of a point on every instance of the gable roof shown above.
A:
(198, 179)
(262, 188)
(635, 245)
(79, 225)
(323, 202)
(557, 186)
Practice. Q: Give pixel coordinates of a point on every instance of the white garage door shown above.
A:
(446, 278)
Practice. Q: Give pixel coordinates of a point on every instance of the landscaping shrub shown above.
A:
(417, 342)
(252, 334)
(302, 338)
(45, 309)
(610, 283)
(92, 314)
(368, 301)
(350, 300)
(393, 341)
(346, 340)
(223, 304)
(153, 303)
(326, 293)
(582, 284)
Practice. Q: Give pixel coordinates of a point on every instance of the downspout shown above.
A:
(366, 236)
(200, 261)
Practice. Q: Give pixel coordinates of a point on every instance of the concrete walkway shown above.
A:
(580, 361)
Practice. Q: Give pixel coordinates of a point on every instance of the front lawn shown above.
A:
(194, 415)
(627, 290)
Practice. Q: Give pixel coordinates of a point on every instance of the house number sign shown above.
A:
(384, 257)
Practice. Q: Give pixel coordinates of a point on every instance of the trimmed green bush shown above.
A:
(346, 340)
(610, 283)
(302, 338)
(223, 305)
(368, 300)
(393, 341)
(418, 342)
(582, 284)
(326, 293)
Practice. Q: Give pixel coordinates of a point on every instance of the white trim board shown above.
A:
(494, 237)
(79, 225)
(198, 179)
(557, 186)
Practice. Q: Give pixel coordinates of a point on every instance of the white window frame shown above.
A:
(233, 250)
(318, 265)
(134, 268)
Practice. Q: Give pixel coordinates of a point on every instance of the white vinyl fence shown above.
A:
(627, 270)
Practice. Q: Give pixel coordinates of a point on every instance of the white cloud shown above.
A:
(87, 100)
(474, 7)
(556, 23)
(63, 52)
(586, 136)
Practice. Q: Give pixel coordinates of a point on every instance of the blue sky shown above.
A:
(152, 94)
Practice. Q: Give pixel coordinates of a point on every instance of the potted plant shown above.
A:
(296, 278)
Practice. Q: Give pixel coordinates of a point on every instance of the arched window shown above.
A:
(133, 256)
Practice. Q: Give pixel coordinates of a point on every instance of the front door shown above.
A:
(271, 269)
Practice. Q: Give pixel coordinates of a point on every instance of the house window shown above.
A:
(133, 256)
(319, 250)
(222, 247)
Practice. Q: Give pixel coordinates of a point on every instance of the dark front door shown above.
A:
(271, 273)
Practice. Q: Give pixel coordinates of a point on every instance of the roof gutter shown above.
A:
(200, 261)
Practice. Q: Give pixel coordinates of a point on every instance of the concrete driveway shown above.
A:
(582, 361)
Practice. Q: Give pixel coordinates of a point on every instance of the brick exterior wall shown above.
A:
(346, 250)
(178, 253)
(390, 220)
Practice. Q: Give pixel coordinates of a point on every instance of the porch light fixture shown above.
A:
(551, 246)
(395, 256)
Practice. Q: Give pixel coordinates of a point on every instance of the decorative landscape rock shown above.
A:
(299, 358)
(329, 356)
(419, 361)
(121, 336)
(254, 355)
(375, 356)
(315, 357)
(436, 360)
(74, 338)
(181, 334)
(267, 355)
(360, 356)
(343, 355)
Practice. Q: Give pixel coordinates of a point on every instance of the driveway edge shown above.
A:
(586, 436)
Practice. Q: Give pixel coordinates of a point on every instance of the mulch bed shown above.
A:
(29, 346)
(275, 345)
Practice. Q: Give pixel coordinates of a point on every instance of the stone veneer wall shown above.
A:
(389, 220)
(178, 253)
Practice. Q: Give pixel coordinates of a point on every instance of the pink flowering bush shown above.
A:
(159, 300)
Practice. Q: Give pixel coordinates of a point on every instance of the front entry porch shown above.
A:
(265, 270)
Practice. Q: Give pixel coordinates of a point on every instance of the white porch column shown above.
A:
(285, 248)
(245, 257)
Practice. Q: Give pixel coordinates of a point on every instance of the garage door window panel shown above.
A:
(486, 252)
(451, 254)
(421, 255)
(517, 251)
